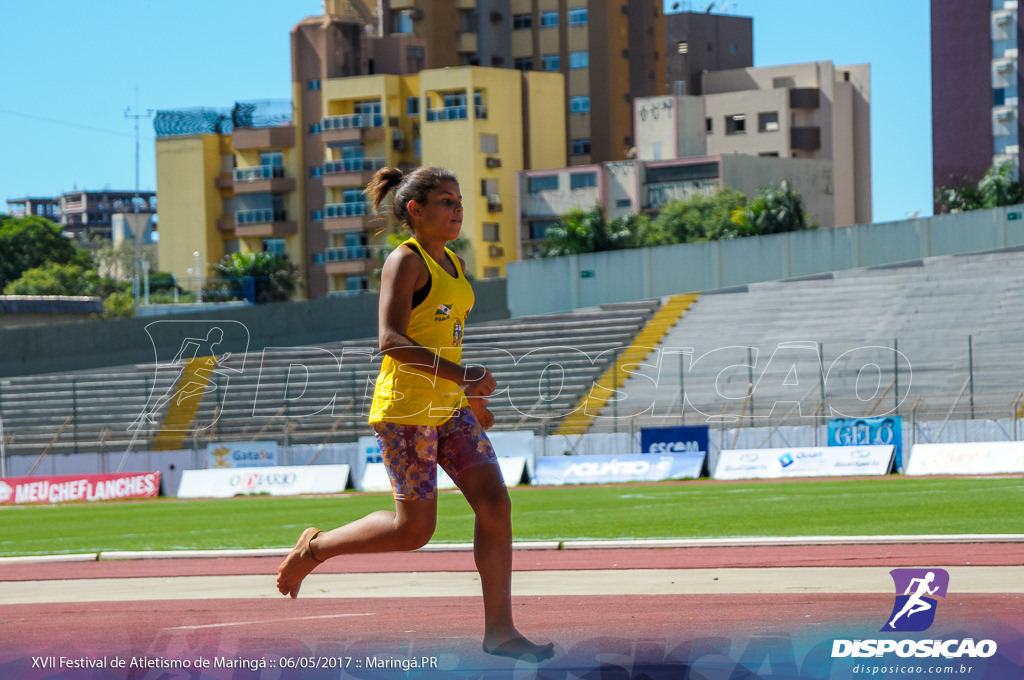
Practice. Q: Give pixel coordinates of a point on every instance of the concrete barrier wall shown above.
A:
(617, 276)
(83, 345)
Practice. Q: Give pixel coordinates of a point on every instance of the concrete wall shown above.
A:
(97, 344)
(619, 276)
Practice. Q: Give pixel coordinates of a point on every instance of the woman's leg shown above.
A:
(485, 490)
(409, 527)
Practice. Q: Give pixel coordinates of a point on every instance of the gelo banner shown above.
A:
(868, 431)
(66, 488)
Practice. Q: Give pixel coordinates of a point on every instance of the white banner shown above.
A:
(375, 476)
(276, 481)
(971, 458)
(241, 454)
(818, 461)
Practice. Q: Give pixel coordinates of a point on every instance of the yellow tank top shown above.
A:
(415, 395)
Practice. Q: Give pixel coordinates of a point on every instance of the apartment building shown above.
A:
(85, 213)
(815, 110)
(702, 41)
(975, 88)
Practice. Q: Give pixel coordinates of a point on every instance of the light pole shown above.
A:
(136, 232)
(199, 277)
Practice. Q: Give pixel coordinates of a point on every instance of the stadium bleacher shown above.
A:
(776, 353)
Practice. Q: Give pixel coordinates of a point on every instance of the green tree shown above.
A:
(996, 189)
(266, 276)
(775, 210)
(581, 231)
(64, 279)
(703, 218)
(30, 242)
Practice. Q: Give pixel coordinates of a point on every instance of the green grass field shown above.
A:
(890, 505)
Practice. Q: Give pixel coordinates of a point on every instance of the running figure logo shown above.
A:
(914, 610)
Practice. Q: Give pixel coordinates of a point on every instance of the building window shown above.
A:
(523, 63)
(313, 84)
(314, 128)
(272, 158)
(316, 171)
(538, 229)
(736, 124)
(488, 143)
(682, 48)
(582, 180)
(317, 215)
(492, 232)
(545, 183)
(580, 147)
(577, 16)
(579, 59)
(402, 23)
(624, 203)
(522, 21)
(275, 246)
(492, 272)
(768, 121)
(580, 104)
(551, 62)
(548, 19)
(412, 106)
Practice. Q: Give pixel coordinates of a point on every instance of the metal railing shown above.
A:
(350, 209)
(353, 165)
(353, 120)
(260, 216)
(259, 172)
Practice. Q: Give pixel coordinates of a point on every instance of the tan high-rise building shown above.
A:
(610, 52)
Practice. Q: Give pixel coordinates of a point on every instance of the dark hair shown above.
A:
(413, 186)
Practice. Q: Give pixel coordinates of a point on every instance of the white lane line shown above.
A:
(254, 623)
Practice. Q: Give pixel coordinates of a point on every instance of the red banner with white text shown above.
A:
(68, 488)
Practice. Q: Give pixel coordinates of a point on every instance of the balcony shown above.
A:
(804, 98)
(350, 171)
(263, 222)
(250, 138)
(349, 260)
(456, 113)
(262, 179)
(352, 128)
(351, 216)
(807, 138)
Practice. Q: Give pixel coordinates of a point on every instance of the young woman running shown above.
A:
(422, 412)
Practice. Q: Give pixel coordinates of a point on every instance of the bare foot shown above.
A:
(297, 565)
(522, 649)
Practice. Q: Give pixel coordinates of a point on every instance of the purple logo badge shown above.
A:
(916, 590)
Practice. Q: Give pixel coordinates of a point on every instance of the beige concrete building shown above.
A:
(814, 110)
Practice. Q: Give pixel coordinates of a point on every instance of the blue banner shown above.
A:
(868, 432)
(678, 439)
(557, 471)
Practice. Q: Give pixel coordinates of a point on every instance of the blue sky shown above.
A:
(70, 70)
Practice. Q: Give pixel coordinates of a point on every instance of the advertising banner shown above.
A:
(557, 471)
(679, 439)
(241, 454)
(66, 488)
(375, 475)
(971, 458)
(289, 480)
(819, 461)
(868, 431)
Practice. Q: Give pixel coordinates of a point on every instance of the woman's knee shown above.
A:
(415, 531)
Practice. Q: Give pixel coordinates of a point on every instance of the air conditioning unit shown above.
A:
(416, 14)
(398, 141)
(496, 251)
(494, 202)
(493, 162)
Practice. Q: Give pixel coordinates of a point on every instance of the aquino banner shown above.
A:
(561, 470)
(869, 432)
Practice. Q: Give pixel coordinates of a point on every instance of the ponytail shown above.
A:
(413, 186)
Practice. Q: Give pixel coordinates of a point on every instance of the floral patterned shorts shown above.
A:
(413, 452)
